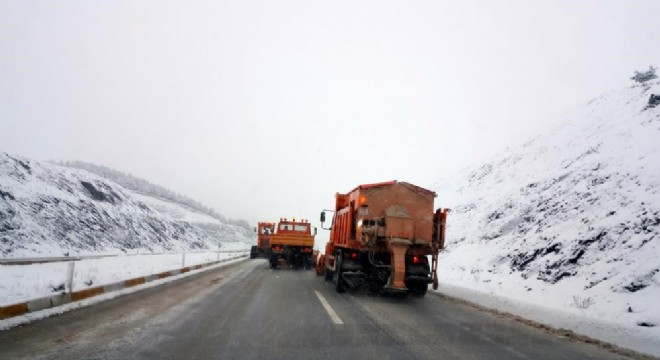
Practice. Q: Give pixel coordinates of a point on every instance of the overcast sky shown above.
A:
(265, 109)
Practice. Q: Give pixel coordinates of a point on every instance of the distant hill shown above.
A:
(570, 219)
(143, 186)
(47, 210)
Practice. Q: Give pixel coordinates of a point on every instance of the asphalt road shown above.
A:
(248, 311)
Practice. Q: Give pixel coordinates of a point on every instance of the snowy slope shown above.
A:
(49, 210)
(212, 226)
(571, 219)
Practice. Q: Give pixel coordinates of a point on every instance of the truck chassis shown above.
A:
(296, 256)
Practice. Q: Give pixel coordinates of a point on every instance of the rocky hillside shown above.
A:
(49, 210)
(142, 186)
(570, 219)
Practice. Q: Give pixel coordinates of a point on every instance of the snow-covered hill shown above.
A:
(227, 231)
(142, 186)
(49, 210)
(571, 219)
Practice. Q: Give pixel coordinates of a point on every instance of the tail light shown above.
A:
(419, 260)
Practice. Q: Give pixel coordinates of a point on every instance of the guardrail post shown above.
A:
(183, 259)
(69, 276)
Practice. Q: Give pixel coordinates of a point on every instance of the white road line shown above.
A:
(331, 312)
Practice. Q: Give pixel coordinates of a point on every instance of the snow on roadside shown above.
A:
(37, 315)
(630, 337)
(22, 283)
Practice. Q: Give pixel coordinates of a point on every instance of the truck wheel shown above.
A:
(307, 259)
(419, 290)
(253, 252)
(338, 278)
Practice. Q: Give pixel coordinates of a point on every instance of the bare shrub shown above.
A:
(582, 303)
(476, 273)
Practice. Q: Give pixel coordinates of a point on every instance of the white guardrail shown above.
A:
(39, 260)
(31, 278)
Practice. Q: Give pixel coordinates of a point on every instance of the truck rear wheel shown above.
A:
(419, 289)
(338, 278)
(307, 260)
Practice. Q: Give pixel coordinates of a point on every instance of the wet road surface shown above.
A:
(248, 311)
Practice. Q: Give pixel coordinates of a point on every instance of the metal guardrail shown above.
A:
(43, 260)
(69, 294)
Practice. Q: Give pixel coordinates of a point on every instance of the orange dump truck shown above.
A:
(264, 231)
(381, 236)
(292, 244)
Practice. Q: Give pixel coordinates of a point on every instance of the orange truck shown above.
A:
(264, 231)
(292, 244)
(381, 236)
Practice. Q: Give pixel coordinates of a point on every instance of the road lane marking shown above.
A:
(331, 312)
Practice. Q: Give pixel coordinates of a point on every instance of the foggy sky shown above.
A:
(265, 109)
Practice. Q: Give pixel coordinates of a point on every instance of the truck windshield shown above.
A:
(300, 227)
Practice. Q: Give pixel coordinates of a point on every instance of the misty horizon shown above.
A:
(266, 110)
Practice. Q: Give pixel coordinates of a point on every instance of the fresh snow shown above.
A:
(33, 316)
(569, 221)
(210, 225)
(635, 338)
(176, 211)
(50, 210)
(21, 283)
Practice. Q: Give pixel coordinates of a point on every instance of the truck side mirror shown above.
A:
(323, 220)
(255, 230)
(314, 230)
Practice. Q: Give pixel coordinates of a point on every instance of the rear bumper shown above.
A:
(419, 279)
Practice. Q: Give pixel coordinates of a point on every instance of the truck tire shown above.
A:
(307, 260)
(253, 252)
(419, 289)
(338, 278)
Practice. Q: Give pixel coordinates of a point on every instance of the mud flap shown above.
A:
(434, 270)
